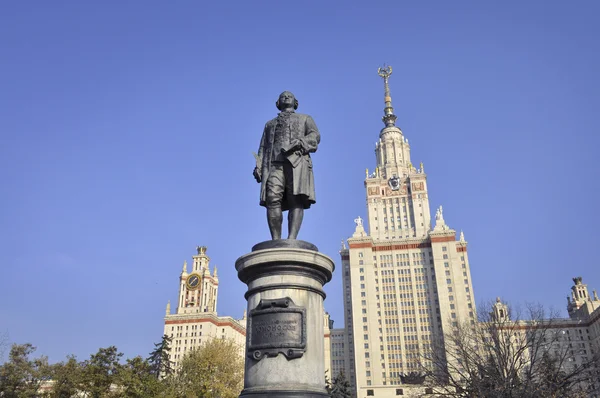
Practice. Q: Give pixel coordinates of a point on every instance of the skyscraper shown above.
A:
(405, 282)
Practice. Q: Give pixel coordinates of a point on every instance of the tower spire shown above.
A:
(388, 112)
(184, 270)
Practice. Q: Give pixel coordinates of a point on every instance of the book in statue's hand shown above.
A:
(293, 154)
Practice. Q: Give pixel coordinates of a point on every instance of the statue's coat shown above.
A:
(302, 128)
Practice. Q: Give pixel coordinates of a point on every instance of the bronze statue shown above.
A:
(284, 167)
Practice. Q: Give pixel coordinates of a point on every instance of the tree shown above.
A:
(215, 369)
(500, 356)
(100, 372)
(340, 387)
(66, 377)
(21, 377)
(160, 364)
(136, 379)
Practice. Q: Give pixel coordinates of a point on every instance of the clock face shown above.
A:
(394, 183)
(193, 281)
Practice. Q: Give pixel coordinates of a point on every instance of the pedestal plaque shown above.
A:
(276, 326)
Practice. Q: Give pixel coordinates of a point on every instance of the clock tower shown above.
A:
(198, 289)
(195, 321)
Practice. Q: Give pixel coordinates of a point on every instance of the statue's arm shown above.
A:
(312, 137)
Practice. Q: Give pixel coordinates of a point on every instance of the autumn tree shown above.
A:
(213, 370)
(507, 355)
(20, 376)
(160, 364)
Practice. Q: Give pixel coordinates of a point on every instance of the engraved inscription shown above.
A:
(276, 328)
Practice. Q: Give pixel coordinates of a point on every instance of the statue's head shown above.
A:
(286, 100)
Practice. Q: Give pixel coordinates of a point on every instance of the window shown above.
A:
(370, 393)
(399, 391)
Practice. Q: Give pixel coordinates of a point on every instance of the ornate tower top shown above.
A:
(388, 118)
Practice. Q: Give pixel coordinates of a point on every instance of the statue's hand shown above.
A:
(256, 174)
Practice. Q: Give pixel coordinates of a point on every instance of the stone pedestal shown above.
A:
(284, 334)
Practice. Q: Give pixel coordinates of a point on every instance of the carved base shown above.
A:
(284, 338)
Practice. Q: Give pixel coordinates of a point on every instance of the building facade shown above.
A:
(405, 282)
(195, 320)
(339, 352)
(573, 342)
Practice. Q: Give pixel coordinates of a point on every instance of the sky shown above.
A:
(127, 131)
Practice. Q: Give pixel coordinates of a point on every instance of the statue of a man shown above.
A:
(284, 167)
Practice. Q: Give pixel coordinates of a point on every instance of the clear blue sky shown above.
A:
(127, 130)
